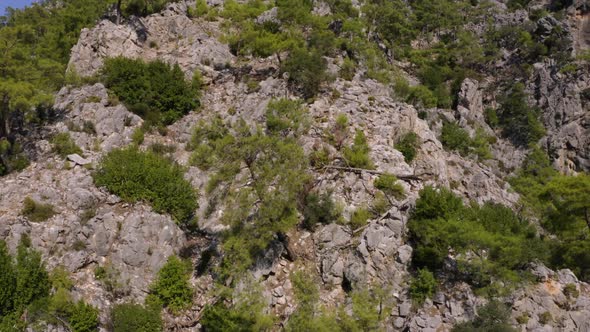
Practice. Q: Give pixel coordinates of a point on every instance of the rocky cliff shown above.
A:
(93, 227)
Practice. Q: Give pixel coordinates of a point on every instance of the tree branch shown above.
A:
(370, 171)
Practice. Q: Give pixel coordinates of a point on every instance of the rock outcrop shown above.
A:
(93, 228)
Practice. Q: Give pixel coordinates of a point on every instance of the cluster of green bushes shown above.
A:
(306, 37)
(319, 209)
(389, 185)
(358, 154)
(64, 145)
(423, 286)
(492, 246)
(456, 138)
(142, 7)
(155, 91)
(562, 204)
(265, 202)
(493, 316)
(368, 309)
(130, 317)
(26, 286)
(146, 176)
(238, 310)
(519, 121)
(35, 211)
(171, 289)
(12, 157)
(286, 117)
(36, 47)
(408, 145)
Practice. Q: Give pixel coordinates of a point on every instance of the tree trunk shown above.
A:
(119, 12)
(4, 115)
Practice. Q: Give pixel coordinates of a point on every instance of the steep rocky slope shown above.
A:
(135, 242)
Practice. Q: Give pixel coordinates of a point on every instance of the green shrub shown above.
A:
(402, 88)
(143, 7)
(420, 95)
(320, 158)
(307, 71)
(64, 145)
(545, 318)
(144, 176)
(31, 277)
(238, 310)
(319, 209)
(480, 144)
(284, 116)
(359, 218)
(269, 196)
(339, 132)
(138, 136)
(436, 203)
(84, 318)
(455, 138)
(348, 69)
(381, 203)
(408, 145)
(7, 280)
(201, 9)
(440, 222)
(423, 286)
(523, 319)
(388, 184)
(161, 149)
(358, 154)
(37, 212)
(128, 317)
(155, 91)
(492, 117)
(520, 122)
(571, 291)
(171, 286)
(494, 316)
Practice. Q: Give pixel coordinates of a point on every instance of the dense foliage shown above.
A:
(35, 211)
(367, 307)
(25, 285)
(263, 203)
(64, 145)
(490, 243)
(142, 7)
(456, 138)
(519, 121)
(146, 176)
(358, 154)
(155, 91)
(408, 146)
(235, 310)
(423, 286)
(128, 317)
(493, 316)
(562, 204)
(171, 287)
(35, 48)
(319, 208)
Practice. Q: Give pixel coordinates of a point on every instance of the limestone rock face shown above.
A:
(566, 115)
(170, 36)
(94, 228)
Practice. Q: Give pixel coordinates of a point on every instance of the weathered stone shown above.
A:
(404, 254)
(404, 309)
(75, 158)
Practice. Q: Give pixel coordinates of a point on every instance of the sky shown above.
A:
(13, 4)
